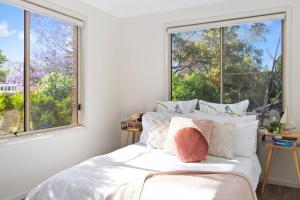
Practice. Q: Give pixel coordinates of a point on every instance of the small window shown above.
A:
(230, 63)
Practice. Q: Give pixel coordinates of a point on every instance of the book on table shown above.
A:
(284, 141)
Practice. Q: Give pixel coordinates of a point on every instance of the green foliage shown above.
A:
(46, 112)
(3, 58)
(3, 72)
(275, 127)
(196, 55)
(56, 85)
(194, 86)
(51, 104)
(3, 75)
(17, 101)
(11, 102)
(2, 102)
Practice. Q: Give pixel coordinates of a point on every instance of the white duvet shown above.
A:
(96, 178)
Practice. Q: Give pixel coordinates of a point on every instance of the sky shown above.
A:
(272, 36)
(12, 32)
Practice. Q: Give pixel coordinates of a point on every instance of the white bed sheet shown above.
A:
(97, 177)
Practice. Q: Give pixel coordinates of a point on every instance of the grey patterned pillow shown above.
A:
(177, 106)
(222, 140)
(236, 109)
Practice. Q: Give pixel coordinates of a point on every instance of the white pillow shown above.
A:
(158, 133)
(246, 139)
(148, 119)
(221, 117)
(177, 106)
(222, 140)
(237, 109)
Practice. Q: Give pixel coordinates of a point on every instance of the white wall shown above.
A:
(26, 161)
(144, 72)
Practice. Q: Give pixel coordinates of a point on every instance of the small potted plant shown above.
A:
(275, 127)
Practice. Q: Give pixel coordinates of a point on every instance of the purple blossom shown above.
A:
(51, 50)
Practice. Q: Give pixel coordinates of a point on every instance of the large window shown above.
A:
(38, 71)
(230, 63)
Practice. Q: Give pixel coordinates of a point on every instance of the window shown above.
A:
(230, 63)
(38, 71)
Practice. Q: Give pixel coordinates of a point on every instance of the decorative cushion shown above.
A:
(177, 106)
(158, 133)
(177, 123)
(237, 109)
(222, 140)
(191, 145)
(147, 121)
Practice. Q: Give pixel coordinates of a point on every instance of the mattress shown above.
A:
(97, 177)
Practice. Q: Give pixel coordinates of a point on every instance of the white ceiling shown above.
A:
(130, 8)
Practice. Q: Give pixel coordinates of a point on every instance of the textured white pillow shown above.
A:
(237, 109)
(158, 133)
(246, 139)
(148, 119)
(222, 140)
(177, 123)
(177, 106)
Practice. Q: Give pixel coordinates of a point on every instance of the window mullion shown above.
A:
(26, 69)
(75, 77)
(221, 63)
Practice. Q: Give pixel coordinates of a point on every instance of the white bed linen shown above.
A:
(97, 177)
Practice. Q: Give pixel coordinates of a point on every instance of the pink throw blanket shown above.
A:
(189, 185)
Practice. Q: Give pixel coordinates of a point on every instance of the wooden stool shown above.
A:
(132, 131)
(270, 146)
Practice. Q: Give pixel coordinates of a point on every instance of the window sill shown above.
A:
(8, 140)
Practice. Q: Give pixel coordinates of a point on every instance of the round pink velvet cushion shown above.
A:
(191, 145)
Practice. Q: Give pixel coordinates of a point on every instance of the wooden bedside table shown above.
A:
(270, 146)
(131, 127)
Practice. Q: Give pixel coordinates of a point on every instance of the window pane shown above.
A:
(252, 65)
(53, 73)
(11, 69)
(195, 65)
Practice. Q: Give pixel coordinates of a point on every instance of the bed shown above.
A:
(98, 177)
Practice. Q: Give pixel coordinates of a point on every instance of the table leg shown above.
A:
(267, 168)
(133, 137)
(296, 161)
(126, 138)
